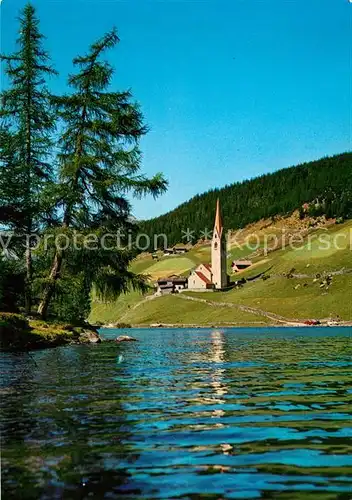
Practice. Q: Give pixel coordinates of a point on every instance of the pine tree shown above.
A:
(100, 163)
(12, 180)
(26, 111)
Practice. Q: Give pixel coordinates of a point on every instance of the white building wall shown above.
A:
(195, 283)
(218, 261)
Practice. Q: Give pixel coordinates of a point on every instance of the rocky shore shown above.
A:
(18, 333)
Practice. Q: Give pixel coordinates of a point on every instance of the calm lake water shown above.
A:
(215, 414)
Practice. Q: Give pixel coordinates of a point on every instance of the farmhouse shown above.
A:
(171, 284)
(175, 250)
(168, 251)
(240, 265)
(180, 250)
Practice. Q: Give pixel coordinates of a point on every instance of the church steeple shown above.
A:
(218, 227)
(218, 252)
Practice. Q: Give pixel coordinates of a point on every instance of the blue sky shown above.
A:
(229, 89)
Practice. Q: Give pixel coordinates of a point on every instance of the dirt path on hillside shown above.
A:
(140, 303)
(340, 272)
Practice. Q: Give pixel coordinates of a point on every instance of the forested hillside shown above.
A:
(325, 184)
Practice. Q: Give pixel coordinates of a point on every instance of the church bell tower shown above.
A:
(218, 252)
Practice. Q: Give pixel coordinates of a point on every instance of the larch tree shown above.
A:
(100, 166)
(27, 122)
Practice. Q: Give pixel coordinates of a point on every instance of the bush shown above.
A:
(11, 286)
(13, 321)
(13, 329)
(122, 325)
(71, 302)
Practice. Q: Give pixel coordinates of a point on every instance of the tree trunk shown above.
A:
(29, 274)
(28, 282)
(54, 273)
(50, 287)
(58, 259)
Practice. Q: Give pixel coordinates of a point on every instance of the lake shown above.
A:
(183, 413)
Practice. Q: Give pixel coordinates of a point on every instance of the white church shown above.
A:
(214, 276)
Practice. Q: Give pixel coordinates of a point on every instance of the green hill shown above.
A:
(325, 183)
(313, 281)
(293, 290)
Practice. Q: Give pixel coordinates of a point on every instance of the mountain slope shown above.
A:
(326, 182)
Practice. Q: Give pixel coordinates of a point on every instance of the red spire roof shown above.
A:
(203, 278)
(218, 227)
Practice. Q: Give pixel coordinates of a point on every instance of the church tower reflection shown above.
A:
(218, 379)
(214, 388)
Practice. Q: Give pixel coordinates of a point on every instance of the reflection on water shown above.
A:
(181, 414)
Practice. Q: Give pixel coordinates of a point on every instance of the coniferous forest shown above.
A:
(326, 185)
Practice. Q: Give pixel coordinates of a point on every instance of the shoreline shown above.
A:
(19, 333)
(343, 324)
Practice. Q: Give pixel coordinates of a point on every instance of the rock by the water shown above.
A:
(125, 338)
(89, 337)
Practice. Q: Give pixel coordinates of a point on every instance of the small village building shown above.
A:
(180, 284)
(199, 281)
(177, 250)
(180, 250)
(168, 251)
(171, 284)
(240, 265)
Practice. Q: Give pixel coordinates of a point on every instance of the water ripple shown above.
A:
(188, 414)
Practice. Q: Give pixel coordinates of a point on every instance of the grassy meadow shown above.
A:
(315, 253)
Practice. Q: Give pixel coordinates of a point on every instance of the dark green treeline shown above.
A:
(325, 184)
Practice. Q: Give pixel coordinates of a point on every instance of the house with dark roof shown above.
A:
(176, 250)
(240, 265)
(168, 251)
(171, 284)
(180, 250)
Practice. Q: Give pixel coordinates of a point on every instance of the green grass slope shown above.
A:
(325, 250)
(112, 312)
(173, 309)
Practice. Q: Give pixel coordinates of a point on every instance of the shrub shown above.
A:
(13, 329)
(13, 321)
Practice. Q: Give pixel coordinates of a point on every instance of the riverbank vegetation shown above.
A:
(69, 166)
(17, 332)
